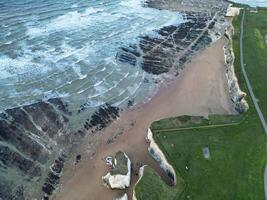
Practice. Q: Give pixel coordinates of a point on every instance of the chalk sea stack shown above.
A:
(119, 176)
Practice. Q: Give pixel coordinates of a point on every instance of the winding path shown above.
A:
(255, 102)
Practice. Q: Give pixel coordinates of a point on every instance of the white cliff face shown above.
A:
(124, 197)
(118, 181)
(236, 95)
(232, 11)
(158, 155)
(141, 173)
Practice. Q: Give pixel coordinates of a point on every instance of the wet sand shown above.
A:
(200, 89)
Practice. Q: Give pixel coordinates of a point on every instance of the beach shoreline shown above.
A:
(200, 89)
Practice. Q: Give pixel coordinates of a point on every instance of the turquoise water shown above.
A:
(68, 48)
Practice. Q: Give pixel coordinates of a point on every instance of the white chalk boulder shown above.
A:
(119, 176)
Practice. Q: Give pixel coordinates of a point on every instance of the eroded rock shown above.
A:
(119, 176)
(158, 155)
(123, 197)
(209, 6)
(103, 116)
(30, 137)
(237, 96)
(172, 47)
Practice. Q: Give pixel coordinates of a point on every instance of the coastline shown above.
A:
(67, 160)
(200, 89)
(63, 134)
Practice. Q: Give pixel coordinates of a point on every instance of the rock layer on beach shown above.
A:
(35, 141)
(103, 116)
(204, 6)
(30, 137)
(172, 46)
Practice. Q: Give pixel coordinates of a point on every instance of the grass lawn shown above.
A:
(235, 169)
(147, 190)
(255, 54)
(238, 150)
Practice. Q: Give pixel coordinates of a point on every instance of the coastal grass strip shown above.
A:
(213, 121)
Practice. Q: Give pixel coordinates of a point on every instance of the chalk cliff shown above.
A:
(237, 96)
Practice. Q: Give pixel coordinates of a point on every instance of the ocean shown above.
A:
(67, 49)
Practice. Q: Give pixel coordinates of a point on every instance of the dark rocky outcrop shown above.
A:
(103, 116)
(53, 177)
(35, 142)
(30, 136)
(11, 158)
(8, 192)
(203, 6)
(173, 46)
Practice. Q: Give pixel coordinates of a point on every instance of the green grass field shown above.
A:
(255, 54)
(238, 150)
(147, 190)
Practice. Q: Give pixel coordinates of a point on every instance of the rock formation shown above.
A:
(119, 176)
(232, 11)
(123, 197)
(103, 116)
(30, 138)
(236, 95)
(158, 155)
(203, 6)
(172, 46)
(35, 141)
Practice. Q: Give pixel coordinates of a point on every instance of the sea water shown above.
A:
(67, 49)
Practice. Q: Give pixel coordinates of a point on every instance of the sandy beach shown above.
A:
(200, 89)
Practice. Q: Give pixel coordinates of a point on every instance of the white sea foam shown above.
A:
(68, 21)
(95, 103)
(36, 92)
(136, 7)
(101, 90)
(52, 94)
(74, 6)
(122, 101)
(95, 84)
(8, 34)
(80, 91)
(132, 4)
(12, 67)
(7, 43)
